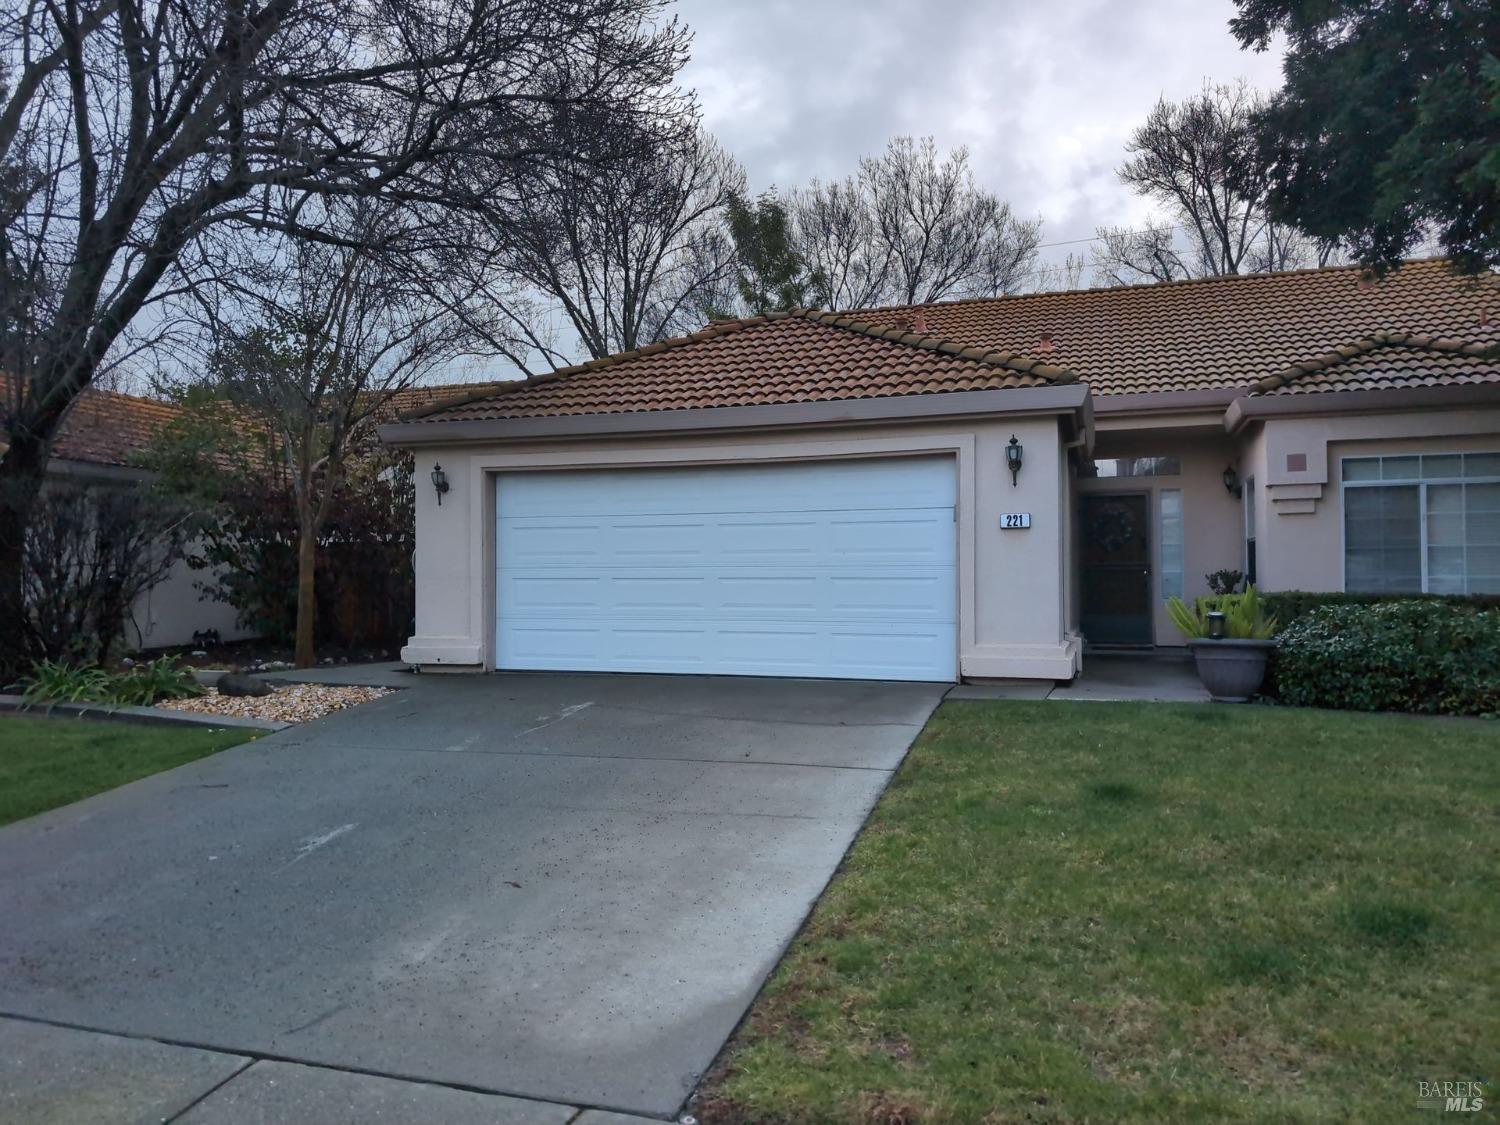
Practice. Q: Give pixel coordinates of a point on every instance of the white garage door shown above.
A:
(838, 569)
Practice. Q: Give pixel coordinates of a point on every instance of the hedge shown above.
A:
(1425, 656)
(1289, 605)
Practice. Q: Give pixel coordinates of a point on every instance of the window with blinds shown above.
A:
(1422, 523)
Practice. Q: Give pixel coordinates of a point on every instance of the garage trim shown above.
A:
(672, 569)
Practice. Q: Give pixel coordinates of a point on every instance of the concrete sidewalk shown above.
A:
(1114, 677)
(53, 1075)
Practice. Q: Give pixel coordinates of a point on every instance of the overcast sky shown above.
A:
(1044, 92)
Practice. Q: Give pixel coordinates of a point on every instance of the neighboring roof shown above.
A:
(1390, 360)
(109, 428)
(776, 359)
(1219, 332)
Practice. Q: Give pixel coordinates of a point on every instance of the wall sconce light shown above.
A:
(1013, 459)
(1232, 482)
(439, 482)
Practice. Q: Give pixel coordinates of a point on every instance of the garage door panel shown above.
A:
(902, 537)
(759, 648)
(899, 482)
(841, 568)
(889, 594)
(899, 537)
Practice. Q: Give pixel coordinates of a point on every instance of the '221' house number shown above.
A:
(1014, 521)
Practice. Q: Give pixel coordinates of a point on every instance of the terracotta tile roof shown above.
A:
(105, 427)
(1221, 332)
(779, 358)
(110, 428)
(1211, 333)
(1392, 359)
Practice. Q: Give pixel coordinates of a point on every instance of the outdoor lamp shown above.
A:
(1216, 625)
(1013, 459)
(439, 482)
(1232, 482)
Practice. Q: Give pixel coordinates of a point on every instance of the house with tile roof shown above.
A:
(962, 490)
(100, 443)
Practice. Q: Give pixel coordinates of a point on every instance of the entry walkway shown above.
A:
(1145, 677)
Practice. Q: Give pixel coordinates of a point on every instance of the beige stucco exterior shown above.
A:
(1019, 593)
(1300, 518)
(1013, 598)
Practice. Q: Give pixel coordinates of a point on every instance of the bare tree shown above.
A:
(1070, 273)
(627, 255)
(95, 548)
(837, 236)
(317, 345)
(910, 228)
(133, 127)
(1197, 160)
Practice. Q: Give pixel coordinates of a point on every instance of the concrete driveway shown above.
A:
(562, 888)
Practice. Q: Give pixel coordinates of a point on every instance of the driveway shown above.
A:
(556, 887)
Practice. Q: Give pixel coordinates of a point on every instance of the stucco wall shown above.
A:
(1303, 550)
(1213, 536)
(1011, 599)
(169, 614)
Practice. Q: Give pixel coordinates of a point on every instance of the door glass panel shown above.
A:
(1171, 543)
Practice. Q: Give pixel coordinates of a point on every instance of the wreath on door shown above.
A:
(1113, 529)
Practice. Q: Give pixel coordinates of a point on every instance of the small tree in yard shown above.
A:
(93, 551)
(314, 352)
(245, 543)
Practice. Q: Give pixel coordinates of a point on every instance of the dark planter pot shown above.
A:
(1231, 670)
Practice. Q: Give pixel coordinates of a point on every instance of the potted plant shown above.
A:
(1230, 637)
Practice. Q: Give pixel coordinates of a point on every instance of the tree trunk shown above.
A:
(23, 470)
(307, 561)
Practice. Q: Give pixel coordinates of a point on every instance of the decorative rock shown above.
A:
(237, 683)
(198, 652)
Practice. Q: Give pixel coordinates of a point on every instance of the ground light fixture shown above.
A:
(1215, 625)
(1232, 482)
(439, 482)
(1013, 453)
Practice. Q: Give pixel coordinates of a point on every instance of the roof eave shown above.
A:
(1068, 398)
(1253, 408)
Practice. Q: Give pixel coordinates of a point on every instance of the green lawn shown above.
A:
(45, 763)
(1141, 912)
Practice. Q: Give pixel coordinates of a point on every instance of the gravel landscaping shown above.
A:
(294, 703)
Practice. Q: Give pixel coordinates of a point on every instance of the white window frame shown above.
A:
(1421, 484)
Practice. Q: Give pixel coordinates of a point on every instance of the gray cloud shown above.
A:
(1045, 94)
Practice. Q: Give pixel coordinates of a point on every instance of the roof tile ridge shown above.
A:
(1205, 279)
(930, 341)
(479, 392)
(1364, 346)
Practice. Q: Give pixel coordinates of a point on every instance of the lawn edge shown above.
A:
(147, 716)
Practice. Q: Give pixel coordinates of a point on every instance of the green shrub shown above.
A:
(56, 682)
(1423, 657)
(53, 681)
(1244, 615)
(1289, 605)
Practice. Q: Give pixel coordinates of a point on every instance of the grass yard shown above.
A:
(45, 763)
(1141, 912)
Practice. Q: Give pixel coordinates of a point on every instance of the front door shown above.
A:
(1117, 569)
